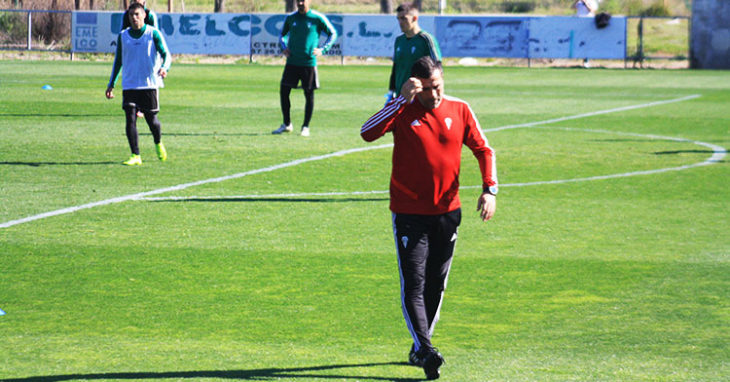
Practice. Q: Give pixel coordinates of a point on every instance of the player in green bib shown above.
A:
(300, 44)
(413, 44)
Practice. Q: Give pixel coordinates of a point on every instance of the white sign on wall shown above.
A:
(483, 36)
(577, 37)
(368, 35)
(91, 32)
(374, 35)
(191, 33)
(207, 33)
(266, 29)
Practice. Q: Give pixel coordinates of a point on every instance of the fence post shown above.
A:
(640, 49)
(30, 30)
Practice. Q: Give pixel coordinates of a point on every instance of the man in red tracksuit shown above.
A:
(429, 129)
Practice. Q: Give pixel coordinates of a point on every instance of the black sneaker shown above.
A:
(414, 359)
(431, 364)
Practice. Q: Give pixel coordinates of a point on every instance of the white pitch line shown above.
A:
(260, 196)
(142, 195)
(595, 113)
(718, 153)
(184, 186)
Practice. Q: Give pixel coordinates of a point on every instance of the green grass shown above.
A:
(662, 38)
(618, 279)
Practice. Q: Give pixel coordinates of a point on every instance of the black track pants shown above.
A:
(131, 127)
(425, 246)
(284, 98)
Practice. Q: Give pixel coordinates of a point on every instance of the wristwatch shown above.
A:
(491, 190)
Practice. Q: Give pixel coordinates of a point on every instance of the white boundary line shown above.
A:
(719, 153)
(184, 186)
(595, 113)
(260, 196)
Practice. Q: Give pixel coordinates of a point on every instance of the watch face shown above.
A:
(493, 190)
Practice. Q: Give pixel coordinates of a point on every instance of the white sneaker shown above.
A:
(283, 129)
(305, 131)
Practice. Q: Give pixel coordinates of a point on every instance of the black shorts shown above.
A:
(141, 99)
(306, 74)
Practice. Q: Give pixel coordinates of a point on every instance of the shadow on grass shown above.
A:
(280, 200)
(255, 374)
(38, 164)
(211, 134)
(64, 115)
(623, 140)
(675, 152)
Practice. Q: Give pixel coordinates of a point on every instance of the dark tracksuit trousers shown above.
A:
(146, 101)
(131, 127)
(425, 246)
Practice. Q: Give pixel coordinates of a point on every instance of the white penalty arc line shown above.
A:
(719, 151)
(718, 154)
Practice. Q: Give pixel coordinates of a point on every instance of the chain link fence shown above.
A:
(35, 30)
(657, 38)
(648, 38)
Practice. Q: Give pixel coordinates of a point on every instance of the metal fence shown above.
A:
(35, 30)
(657, 38)
(648, 38)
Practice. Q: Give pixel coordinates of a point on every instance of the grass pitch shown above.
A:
(608, 258)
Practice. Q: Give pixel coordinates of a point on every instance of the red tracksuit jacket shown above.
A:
(427, 153)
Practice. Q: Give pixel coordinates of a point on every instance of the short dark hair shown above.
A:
(425, 66)
(134, 6)
(408, 8)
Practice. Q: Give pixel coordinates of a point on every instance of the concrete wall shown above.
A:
(710, 34)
